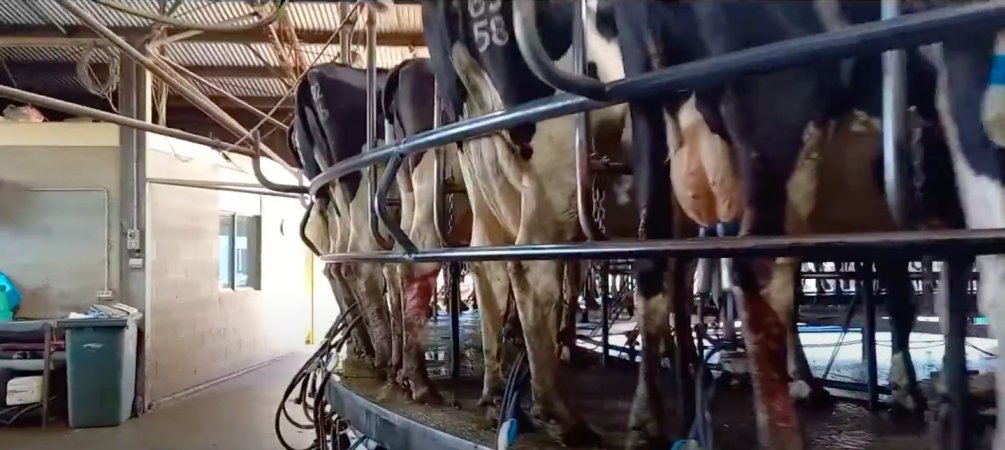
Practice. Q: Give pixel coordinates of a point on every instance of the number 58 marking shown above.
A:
(491, 31)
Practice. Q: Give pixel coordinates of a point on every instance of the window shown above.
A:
(240, 251)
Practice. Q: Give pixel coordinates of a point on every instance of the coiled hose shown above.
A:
(317, 367)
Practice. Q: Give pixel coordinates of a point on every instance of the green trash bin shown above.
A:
(100, 370)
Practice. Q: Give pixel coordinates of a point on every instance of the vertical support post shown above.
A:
(584, 199)
(134, 101)
(869, 333)
(371, 128)
(894, 110)
(46, 372)
(604, 292)
(953, 409)
(454, 275)
(684, 342)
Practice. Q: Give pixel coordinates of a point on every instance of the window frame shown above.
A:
(255, 265)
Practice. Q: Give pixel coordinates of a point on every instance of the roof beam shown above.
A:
(45, 36)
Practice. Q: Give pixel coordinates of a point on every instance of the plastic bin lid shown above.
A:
(95, 322)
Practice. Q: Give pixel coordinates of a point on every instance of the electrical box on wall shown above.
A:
(133, 240)
(135, 263)
(105, 295)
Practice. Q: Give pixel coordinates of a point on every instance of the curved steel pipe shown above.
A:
(529, 41)
(303, 230)
(379, 206)
(256, 167)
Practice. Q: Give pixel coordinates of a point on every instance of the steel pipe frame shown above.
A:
(829, 247)
(952, 414)
(869, 333)
(190, 94)
(454, 305)
(184, 71)
(118, 119)
(584, 199)
(377, 212)
(243, 188)
(869, 38)
(894, 121)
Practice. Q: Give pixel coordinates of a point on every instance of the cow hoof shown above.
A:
(578, 434)
(426, 395)
(641, 440)
(802, 391)
(491, 405)
(906, 403)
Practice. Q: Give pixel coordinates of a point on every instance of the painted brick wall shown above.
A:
(52, 243)
(198, 331)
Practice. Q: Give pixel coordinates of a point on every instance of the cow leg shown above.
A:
(392, 277)
(964, 66)
(492, 287)
(367, 282)
(420, 288)
(346, 300)
(894, 277)
(784, 287)
(570, 307)
(536, 288)
(778, 145)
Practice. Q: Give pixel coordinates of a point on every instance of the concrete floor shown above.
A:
(236, 414)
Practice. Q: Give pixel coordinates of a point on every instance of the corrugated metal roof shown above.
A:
(305, 15)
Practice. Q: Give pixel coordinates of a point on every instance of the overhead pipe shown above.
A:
(894, 120)
(584, 191)
(374, 199)
(862, 39)
(261, 114)
(118, 119)
(218, 187)
(197, 98)
(529, 41)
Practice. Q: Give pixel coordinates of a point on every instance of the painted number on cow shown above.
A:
(489, 29)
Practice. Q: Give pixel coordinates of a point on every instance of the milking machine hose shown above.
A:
(316, 365)
(519, 376)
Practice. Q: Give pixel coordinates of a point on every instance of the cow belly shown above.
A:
(848, 198)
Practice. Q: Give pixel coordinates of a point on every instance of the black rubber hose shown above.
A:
(330, 342)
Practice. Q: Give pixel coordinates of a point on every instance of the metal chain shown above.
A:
(599, 212)
(450, 209)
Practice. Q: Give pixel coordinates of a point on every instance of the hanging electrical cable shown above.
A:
(167, 20)
(87, 76)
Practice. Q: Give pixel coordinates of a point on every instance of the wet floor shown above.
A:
(604, 396)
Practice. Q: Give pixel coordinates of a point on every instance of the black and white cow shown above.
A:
(784, 128)
(329, 128)
(520, 182)
(408, 103)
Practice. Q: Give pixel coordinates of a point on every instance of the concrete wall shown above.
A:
(53, 242)
(198, 332)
